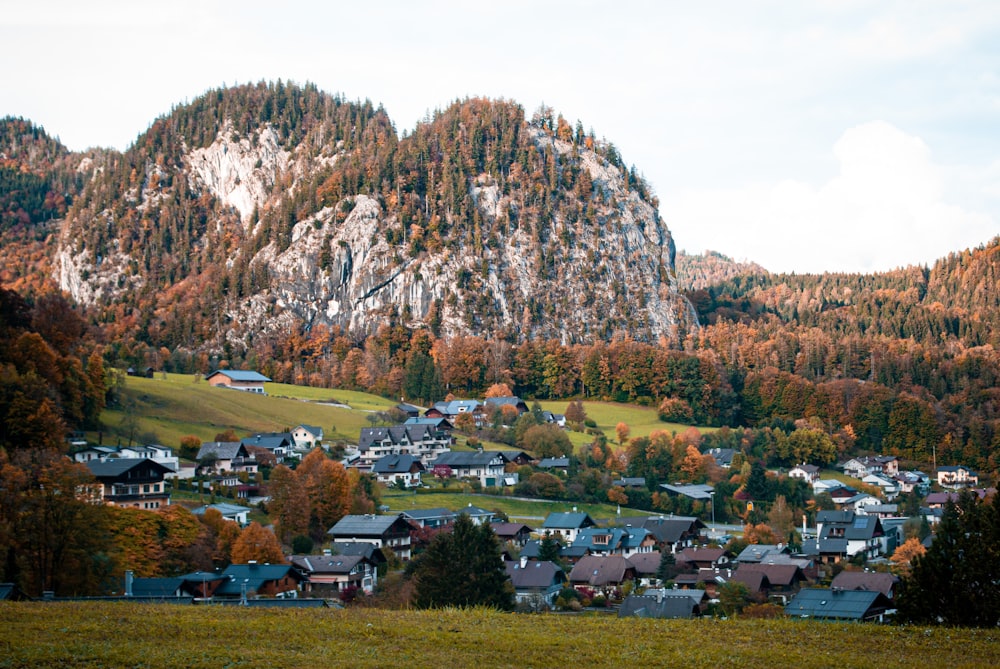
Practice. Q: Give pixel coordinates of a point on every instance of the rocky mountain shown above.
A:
(269, 209)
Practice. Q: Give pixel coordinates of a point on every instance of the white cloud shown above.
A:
(887, 207)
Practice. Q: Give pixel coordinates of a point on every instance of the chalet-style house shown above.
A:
(162, 454)
(422, 441)
(136, 483)
(604, 574)
(385, 532)
(243, 581)
(875, 581)
(231, 512)
(536, 583)
(558, 465)
(671, 533)
(408, 410)
(441, 425)
(872, 464)
(487, 466)
(843, 535)
(702, 558)
(432, 518)
(566, 526)
(307, 437)
(909, 481)
(624, 541)
(250, 382)
(516, 534)
(402, 471)
(808, 473)
(957, 477)
(886, 484)
(647, 566)
(776, 582)
(455, 408)
(722, 456)
(830, 604)
(516, 404)
(226, 456)
(279, 444)
(331, 575)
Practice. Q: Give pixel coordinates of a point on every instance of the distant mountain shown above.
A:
(268, 209)
(698, 271)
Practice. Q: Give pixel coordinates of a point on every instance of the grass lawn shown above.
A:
(522, 510)
(180, 405)
(125, 634)
(642, 421)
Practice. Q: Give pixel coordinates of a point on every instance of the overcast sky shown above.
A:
(806, 136)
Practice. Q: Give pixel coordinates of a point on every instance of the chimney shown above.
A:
(524, 561)
(129, 577)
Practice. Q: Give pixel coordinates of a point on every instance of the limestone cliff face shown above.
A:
(273, 240)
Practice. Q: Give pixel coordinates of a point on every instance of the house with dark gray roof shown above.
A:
(722, 456)
(830, 604)
(672, 533)
(332, 575)
(624, 541)
(401, 470)
(560, 464)
(657, 605)
(280, 444)
(136, 483)
(232, 512)
(498, 403)
(536, 582)
(514, 533)
(433, 518)
(307, 437)
(487, 466)
(420, 440)
(386, 532)
(227, 456)
(252, 580)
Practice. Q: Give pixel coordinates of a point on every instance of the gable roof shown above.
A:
(156, 587)
(759, 552)
(646, 564)
(653, 606)
(553, 463)
(567, 521)
(865, 580)
(513, 401)
(785, 575)
(722, 456)
(253, 576)
(534, 574)
(510, 530)
(599, 570)
(468, 458)
(361, 548)
(394, 464)
(117, 466)
(227, 510)
(239, 375)
(666, 529)
(366, 525)
(223, 450)
(408, 433)
(836, 604)
(455, 407)
(430, 514)
(326, 564)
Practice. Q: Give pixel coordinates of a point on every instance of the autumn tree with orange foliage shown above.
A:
(902, 558)
(257, 543)
(499, 390)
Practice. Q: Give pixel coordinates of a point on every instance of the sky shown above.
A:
(832, 135)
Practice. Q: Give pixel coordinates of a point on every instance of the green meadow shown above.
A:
(118, 634)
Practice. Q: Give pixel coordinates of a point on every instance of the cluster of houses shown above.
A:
(593, 559)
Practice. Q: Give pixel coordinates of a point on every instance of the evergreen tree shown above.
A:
(757, 487)
(464, 568)
(957, 581)
(549, 548)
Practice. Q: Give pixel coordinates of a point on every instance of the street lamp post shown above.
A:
(711, 498)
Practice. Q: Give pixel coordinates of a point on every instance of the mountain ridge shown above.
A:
(270, 208)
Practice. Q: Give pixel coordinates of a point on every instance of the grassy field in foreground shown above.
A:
(210, 637)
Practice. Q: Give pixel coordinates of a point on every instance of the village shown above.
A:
(839, 567)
